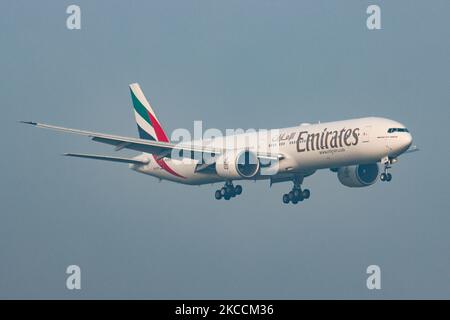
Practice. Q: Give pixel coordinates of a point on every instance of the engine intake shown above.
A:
(238, 164)
(357, 176)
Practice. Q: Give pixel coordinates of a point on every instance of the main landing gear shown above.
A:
(386, 176)
(296, 195)
(228, 191)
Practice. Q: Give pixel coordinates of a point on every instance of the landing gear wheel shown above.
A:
(386, 176)
(306, 194)
(296, 195)
(291, 195)
(228, 191)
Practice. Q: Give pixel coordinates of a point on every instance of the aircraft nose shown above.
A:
(407, 141)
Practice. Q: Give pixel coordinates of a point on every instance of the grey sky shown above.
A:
(232, 64)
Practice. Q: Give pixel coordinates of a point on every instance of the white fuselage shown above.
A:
(305, 149)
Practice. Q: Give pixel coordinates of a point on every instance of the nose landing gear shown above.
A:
(296, 195)
(228, 191)
(386, 176)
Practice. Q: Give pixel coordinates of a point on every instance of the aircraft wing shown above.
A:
(105, 158)
(158, 148)
(412, 149)
(120, 142)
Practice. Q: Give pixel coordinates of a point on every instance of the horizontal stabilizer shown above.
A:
(106, 158)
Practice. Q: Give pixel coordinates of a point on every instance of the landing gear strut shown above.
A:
(386, 176)
(296, 194)
(228, 191)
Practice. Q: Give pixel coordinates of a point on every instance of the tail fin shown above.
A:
(148, 125)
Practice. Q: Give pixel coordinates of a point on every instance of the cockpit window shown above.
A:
(391, 130)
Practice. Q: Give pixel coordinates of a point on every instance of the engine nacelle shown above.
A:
(243, 164)
(361, 175)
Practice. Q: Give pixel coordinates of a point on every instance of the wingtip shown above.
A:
(28, 122)
(412, 149)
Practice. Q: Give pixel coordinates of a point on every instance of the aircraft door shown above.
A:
(367, 130)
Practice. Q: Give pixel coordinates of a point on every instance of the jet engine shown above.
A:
(361, 175)
(240, 164)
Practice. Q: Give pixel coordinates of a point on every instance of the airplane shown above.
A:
(353, 149)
